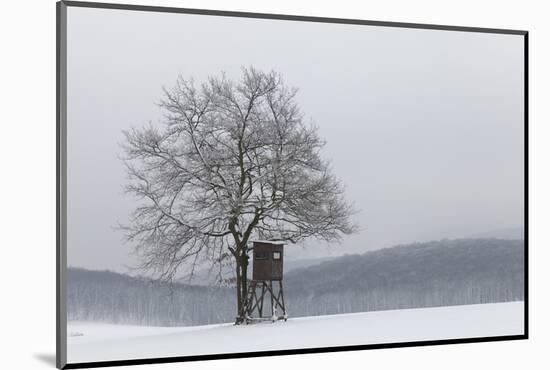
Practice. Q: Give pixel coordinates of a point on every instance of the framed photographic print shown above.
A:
(240, 184)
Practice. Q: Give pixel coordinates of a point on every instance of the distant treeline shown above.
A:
(113, 297)
(439, 273)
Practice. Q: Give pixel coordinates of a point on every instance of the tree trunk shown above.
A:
(240, 316)
(242, 284)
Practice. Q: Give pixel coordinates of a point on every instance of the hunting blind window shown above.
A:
(261, 255)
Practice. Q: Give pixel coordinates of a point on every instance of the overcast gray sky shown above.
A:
(424, 127)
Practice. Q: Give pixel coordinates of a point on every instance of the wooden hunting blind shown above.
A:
(267, 267)
(267, 263)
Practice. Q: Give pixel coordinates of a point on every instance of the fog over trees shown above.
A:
(425, 133)
(439, 273)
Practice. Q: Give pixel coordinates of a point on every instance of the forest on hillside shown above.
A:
(438, 273)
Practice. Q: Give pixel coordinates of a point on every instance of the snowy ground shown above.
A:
(105, 342)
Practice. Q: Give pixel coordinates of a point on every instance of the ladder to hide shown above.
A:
(256, 298)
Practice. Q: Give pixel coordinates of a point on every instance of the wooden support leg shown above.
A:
(282, 296)
(261, 305)
(272, 297)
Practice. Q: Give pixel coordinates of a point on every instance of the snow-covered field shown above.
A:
(105, 342)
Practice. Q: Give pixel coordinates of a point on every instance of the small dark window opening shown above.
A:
(276, 255)
(261, 255)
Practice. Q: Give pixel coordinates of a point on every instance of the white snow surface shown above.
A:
(89, 341)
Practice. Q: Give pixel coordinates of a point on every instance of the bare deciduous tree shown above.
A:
(234, 160)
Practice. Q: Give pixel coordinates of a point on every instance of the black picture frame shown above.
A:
(61, 185)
